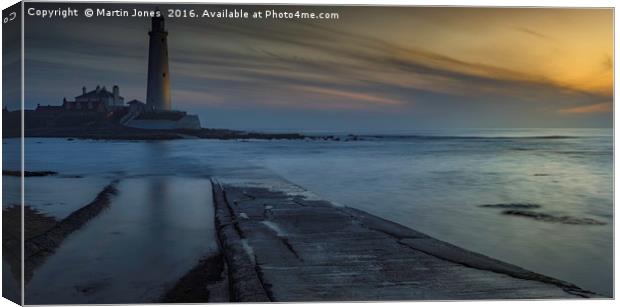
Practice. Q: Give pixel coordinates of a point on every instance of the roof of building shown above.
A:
(99, 92)
(135, 101)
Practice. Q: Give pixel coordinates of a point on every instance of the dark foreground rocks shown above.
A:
(28, 173)
(36, 224)
(206, 282)
(289, 248)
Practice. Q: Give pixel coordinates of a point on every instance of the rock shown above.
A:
(512, 206)
(197, 286)
(28, 173)
(554, 219)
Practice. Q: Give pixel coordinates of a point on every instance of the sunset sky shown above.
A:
(395, 68)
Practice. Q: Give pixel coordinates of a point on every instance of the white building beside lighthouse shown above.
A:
(99, 99)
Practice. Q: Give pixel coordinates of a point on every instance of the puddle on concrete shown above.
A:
(155, 231)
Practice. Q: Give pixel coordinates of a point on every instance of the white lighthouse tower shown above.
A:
(158, 86)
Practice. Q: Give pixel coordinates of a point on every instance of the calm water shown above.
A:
(432, 181)
(136, 250)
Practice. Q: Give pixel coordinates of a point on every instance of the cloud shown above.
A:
(604, 107)
(348, 95)
(532, 32)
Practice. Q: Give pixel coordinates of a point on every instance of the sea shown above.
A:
(541, 199)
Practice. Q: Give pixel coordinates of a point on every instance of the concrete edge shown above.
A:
(244, 280)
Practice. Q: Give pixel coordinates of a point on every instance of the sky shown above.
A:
(372, 69)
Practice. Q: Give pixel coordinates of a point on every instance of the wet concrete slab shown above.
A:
(282, 244)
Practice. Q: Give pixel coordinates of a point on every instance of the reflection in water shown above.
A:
(154, 232)
(157, 198)
(157, 192)
(54, 196)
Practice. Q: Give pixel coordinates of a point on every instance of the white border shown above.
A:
(502, 3)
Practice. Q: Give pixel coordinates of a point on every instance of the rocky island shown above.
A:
(58, 124)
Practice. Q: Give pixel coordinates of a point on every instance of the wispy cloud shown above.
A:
(604, 107)
(533, 33)
(354, 96)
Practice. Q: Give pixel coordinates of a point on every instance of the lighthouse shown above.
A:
(158, 86)
(157, 112)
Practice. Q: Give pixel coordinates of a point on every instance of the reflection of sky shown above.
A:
(141, 245)
(56, 196)
(388, 68)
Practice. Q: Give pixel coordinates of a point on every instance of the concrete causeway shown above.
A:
(288, 247)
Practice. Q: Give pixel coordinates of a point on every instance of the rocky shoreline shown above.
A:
(141, 134)
(103, 128)
(100, 127)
